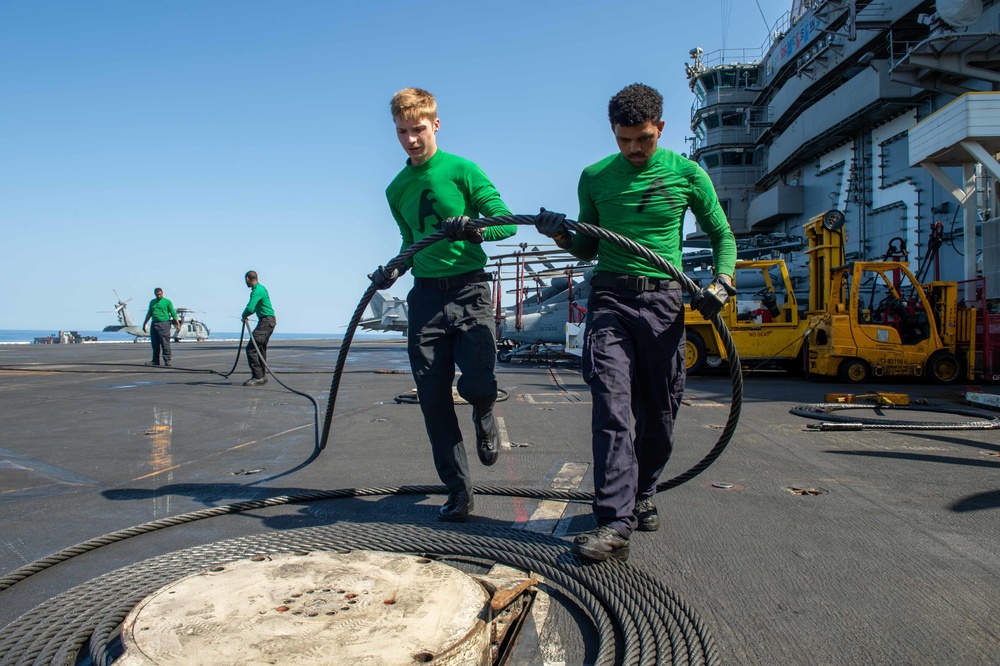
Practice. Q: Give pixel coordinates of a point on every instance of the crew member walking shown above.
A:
(260, 304)
(634, 351)
(162, 312)
(450, 306)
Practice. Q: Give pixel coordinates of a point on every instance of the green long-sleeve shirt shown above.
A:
(647, 204)
(161, 309)
(260, 303)
(421, 197)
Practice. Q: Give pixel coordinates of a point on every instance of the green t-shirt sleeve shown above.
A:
(171, 310)
(704, 203)
(486, 199)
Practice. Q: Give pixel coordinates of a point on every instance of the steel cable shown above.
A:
(824, 410)
(637, 619)
(398, 262)
(654, 635)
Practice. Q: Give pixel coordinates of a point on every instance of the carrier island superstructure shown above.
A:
(841, 108)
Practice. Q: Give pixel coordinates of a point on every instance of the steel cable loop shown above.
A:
(678, 634)
(17, 575)
(628, 608)
(260, 355)
(735, 370)
(823, 411)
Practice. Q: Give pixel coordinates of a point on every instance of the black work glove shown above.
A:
(383, 278)
(710, 300)
(462, 228)
(554, 226)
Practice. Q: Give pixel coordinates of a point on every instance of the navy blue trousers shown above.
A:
(159, 336)
(633, 360)
(448, 327)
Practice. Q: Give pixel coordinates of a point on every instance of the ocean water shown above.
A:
(15, 336)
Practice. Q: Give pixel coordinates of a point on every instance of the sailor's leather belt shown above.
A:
(632, 282)
(454, 281)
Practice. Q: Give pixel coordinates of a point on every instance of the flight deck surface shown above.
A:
(795, 547)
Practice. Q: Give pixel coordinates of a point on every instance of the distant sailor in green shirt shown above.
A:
(450, 306)
(634, 348)
(260, 304)
(162, 312)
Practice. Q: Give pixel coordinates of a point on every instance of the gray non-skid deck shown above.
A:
(894, 562)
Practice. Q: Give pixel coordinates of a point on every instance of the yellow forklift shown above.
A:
(769, 326)
(876, 319)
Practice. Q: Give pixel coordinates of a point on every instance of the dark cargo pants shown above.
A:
(159, 336)
(261, 334)
(449, 326)
(633, 360)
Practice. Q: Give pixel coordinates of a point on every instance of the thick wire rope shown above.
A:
(642, 251)
(637, 619)
(635, 633)
(824, 410)
(42, 367)
(260, 355)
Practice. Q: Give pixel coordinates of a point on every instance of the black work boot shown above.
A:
(487, 434)
(600, 544)
(645, 512)
(457, 507)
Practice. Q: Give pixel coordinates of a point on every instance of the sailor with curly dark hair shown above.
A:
(634, 351)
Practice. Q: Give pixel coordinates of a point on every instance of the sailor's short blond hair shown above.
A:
(413, 104)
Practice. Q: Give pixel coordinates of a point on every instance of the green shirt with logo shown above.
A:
(421, 197)
(161, 309)
(647, 205)
(260, 303)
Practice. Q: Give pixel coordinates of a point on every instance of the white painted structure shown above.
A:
(963, 133)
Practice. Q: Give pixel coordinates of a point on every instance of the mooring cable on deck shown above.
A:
(642, 251)
(836, 422)
(637, 619)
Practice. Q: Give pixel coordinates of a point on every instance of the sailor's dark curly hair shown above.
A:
(635, 105)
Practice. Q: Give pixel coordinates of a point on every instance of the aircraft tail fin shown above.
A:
(377, 304)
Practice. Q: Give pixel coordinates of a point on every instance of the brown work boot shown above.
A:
(645, 512)
(600, 544)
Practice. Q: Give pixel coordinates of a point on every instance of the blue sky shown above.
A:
(180, 143)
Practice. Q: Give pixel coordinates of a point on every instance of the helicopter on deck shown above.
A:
(191, 328)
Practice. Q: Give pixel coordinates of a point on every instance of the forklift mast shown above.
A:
(825, 238)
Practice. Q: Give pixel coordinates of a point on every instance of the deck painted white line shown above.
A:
(547, 515)
(502, 429)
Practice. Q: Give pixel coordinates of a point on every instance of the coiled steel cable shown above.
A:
(638, 620)
(824, 410)
(636, 634)
(642, 251)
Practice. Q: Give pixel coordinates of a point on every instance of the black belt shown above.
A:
(633, 282)
(454, 281)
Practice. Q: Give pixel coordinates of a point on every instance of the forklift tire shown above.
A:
(854, 371)
(694, 353)
(943, 367)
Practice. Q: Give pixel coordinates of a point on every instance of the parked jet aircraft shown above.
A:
(386, 315)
